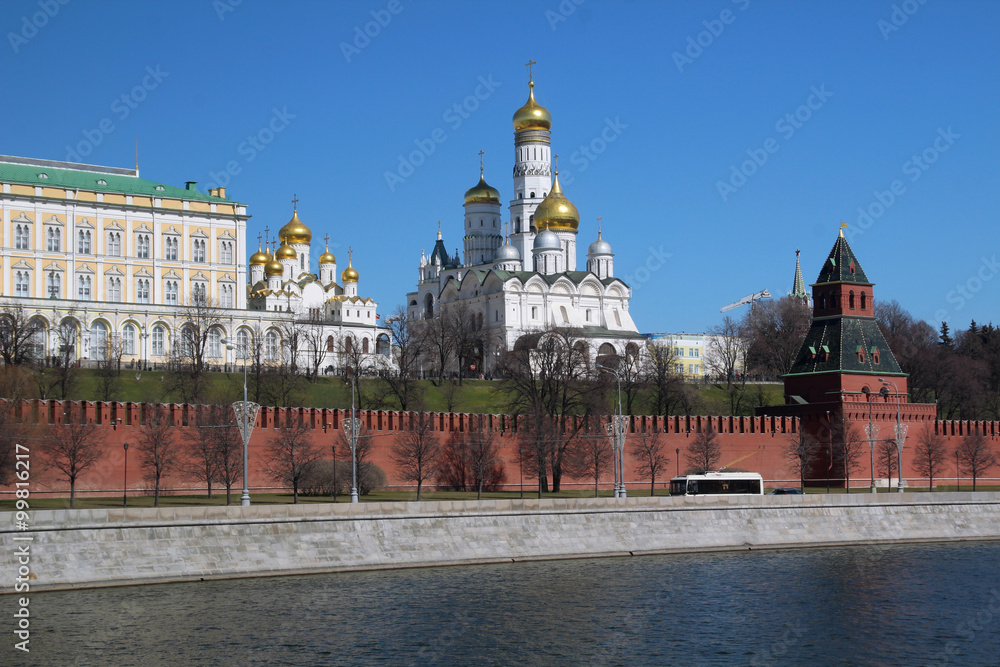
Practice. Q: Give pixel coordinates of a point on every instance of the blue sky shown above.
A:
(712, 138)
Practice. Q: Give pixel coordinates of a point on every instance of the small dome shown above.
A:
(599, 247)
(274, 268)
(482, 193)
(507, 252)
(259, 258)
(547, 241)
(532, 116)
(327, 258)
(295, 231)
(350, 274)
(285, 252)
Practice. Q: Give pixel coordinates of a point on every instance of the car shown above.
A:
(785, 491)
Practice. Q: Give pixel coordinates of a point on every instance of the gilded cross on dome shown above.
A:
(481, 162)
(295, 202)
(529, 65)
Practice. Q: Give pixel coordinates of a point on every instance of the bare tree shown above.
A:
(315, 343)
(188, 367)
(71, 449)
(156, 447)
(652, 459)
(15, 383)
(775, 331)
(665, 384)
(727, 350)
(704, 452)
(592, 458)
(290, 454)
(483, 451)
(214, 449)
(109, 368)
(800, 452)
(852, 445)
(545, 379)
(464, 335)
(929, 454)
(450, 394)
(18, 333)
(407, 349)
(975, 456)
(436, 341)
(417, 451)
(370, 391)
(885, 459)
(60, 381)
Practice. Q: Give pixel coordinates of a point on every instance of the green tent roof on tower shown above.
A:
(841, 266)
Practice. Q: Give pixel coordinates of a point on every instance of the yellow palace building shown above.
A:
(93, 255)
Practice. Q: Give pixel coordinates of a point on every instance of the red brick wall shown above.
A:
(749, 443)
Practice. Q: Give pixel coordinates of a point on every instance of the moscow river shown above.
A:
(931, 604)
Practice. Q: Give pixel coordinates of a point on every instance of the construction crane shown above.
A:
(749, 298)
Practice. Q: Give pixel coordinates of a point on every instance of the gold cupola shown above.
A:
(532, 116)
(259, 258)
(327, 257)
(295, 231)
(556, 212)
(350, 274)
(273, 268)
(482, 193)
(285, 251)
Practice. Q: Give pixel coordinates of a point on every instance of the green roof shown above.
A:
(74, 176)
(833, 345)
(841, 266)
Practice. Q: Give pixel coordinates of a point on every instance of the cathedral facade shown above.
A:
(522, 277)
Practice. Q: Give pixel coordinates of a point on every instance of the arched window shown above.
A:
(271, 346)
(632, 351)
(22, 283)
(83, 287)
(54, 285)
(98, 341)
(850, 300)
(128, 339)
(864, 301)
(428, 307)
(331, 346)
(242, 344)
(348, 345)
(53, 238)
(114, 289)
(21, 237)
(189, 339)
(364, 345)
(114, 244)
(159, 347)
(382, 346)
(83, 239)
(214, 343)
(606, 350)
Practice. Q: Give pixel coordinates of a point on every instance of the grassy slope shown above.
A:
(476, 396)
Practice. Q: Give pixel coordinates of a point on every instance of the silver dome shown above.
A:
(507, 252)
(600, 247)
(547, 240)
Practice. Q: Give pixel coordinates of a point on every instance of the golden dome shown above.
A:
(259, 258)
(482, 192)
(287, 252)
(350, 274)
(532, 116)
(295, 231)
(556, 212)
(273, 268)
(327, 258)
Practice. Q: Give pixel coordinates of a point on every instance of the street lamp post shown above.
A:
(246, 417)
(677, 452)
(352, 429)
(125, 479)
(900, 432)
(616, 430)
(871, 430)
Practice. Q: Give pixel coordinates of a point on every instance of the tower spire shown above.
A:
(798, 285)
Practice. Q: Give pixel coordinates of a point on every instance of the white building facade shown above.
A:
(523, 277)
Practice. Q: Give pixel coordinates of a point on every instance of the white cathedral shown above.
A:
(529, 281)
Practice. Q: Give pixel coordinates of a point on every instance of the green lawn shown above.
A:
(474, 396)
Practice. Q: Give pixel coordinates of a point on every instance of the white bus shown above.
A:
(718, 483)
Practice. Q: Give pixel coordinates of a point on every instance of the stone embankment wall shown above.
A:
(87, 548)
